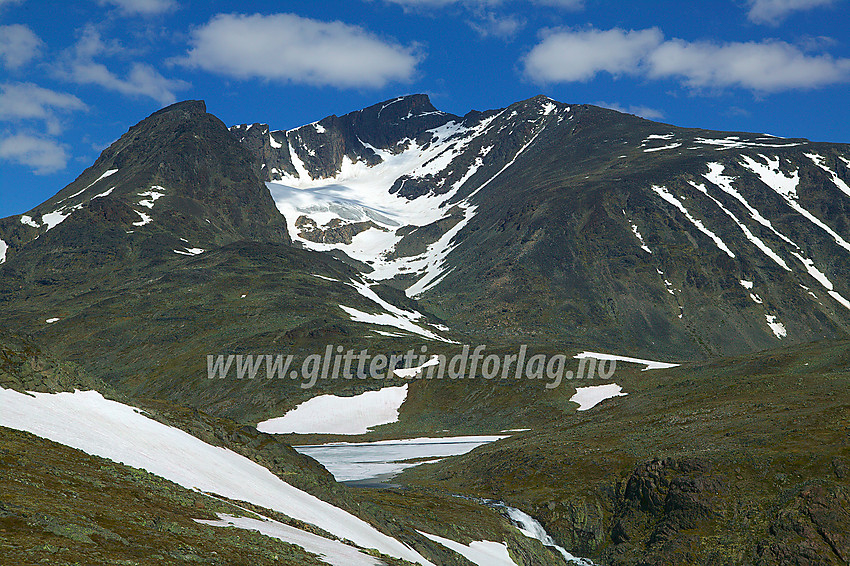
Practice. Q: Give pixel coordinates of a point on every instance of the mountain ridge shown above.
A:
(611, 164)
(542, 221)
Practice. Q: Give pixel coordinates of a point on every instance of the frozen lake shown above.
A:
(374, 462)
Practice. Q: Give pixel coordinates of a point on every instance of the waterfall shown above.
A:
(531, 527)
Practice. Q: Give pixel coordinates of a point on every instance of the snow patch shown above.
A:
(747, 233)
(104, 194)
(844, 302)
(330, 414)
(839, 182)
(665, 194)
(589, 397)
(145, 219)
(105, 175)
(28, 221)
(821, 278)
(190, 251)
(85, 420)
(388, 319)
(663, 147)
(650, 364)
(51, 320)
(746, 284)
(777, 327)
(786, 186)
(394, 316)
(331, 551)
(412, 371)
(53, 219)
(715, 175)
(481, 552)
(153, 194)
(274, 143)
(391, 334)
(4, 247)
(638, 235)
(734, 142)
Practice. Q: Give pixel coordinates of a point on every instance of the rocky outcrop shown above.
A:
(811, 529)
(320, 148)
(666, 508)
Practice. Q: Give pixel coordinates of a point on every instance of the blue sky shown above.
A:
(74, 76)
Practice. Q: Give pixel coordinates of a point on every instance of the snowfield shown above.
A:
(330, 551)
(361, 193)
(330, 414)
(85, 420)
(589, 397)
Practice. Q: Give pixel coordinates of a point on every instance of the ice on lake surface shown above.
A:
(363, 461)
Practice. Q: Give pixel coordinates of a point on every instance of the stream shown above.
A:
(371, 464)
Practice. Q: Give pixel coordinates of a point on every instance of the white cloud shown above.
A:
(79, 66)
(426, 4)
(18, 45)
(567, 56)
(637, 110)
(493, 25)
(142, 80)
(141, 7)
(43, 155)
(563, 4)
(289, 48)
(767, 66)
(26, 101)
(774, 11)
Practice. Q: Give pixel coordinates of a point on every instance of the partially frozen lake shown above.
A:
(381, 460)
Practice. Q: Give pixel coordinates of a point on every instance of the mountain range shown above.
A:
(549, 226)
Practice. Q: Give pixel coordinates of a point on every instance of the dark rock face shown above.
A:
(670, 507)
(321, 147)
(333, 232)
(195, 158)
(666, 507)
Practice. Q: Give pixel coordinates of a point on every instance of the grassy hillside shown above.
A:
(744, 460)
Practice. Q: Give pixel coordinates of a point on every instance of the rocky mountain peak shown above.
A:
(178, 180)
